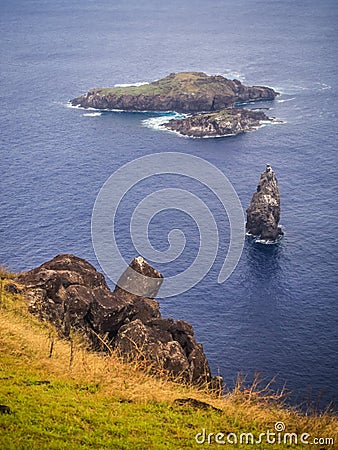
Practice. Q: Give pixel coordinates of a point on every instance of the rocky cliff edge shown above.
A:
(71, 294)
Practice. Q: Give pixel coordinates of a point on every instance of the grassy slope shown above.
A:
(96, 402)
(183, 82)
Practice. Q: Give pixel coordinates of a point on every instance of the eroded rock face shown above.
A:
(69, 292)
(167, 344)
(263, 213)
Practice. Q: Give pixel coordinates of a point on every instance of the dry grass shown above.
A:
(31, 351)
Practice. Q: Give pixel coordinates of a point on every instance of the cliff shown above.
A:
(68, 292)
(184, 92)
(263, 213)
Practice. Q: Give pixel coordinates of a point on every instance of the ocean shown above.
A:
(277, 313)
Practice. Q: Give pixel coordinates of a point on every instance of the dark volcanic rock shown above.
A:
(229, 121)
(147, 286)
(62, 290)
(5, 409)
(264, 211)
(12, 288)
(186, 92)
(196, 404)
(168, 345)
(70, 293)
(137, 340)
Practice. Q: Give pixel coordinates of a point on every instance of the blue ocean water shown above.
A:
(277, 314)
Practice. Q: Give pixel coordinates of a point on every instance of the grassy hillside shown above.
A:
(183, 82)
(61, 396)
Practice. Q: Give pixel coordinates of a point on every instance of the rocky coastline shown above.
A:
(193, 93)
(227, 122)
(72, 295)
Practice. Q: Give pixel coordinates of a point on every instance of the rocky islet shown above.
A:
(263, 213)
(192, 93)
(228, 122)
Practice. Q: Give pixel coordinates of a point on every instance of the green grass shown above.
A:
(83, 400)
(183, 82)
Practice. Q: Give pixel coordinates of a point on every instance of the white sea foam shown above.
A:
(264, 123)
(215, 136)
(292, 89)
(154, 122)
(140, 83)
(272, 122)
(258, 240)
(69, 105)
(93, 114)
(268, 241)
(157, 122)
(234, 74)
(286, 100)
(325, 86)
(227, 73)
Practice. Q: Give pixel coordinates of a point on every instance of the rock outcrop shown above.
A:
(185, 92)
(68, 292)
(263, 213)
(231, 121)
(147, 286)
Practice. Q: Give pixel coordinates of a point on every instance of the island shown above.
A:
(227, 122)
(191, 93)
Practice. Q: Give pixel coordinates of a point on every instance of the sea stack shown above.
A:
(264, 211)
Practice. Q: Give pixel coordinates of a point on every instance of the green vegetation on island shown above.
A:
(184, 92)
(182, 82)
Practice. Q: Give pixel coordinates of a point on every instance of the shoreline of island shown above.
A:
(209, 103)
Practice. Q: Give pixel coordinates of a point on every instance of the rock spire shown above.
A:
(263, 213)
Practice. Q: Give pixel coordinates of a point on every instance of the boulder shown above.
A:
(263, 213)
(62, 291)
(12, 288)
(139, 341)
(69, 292)
(156, 343)
(140, 279)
